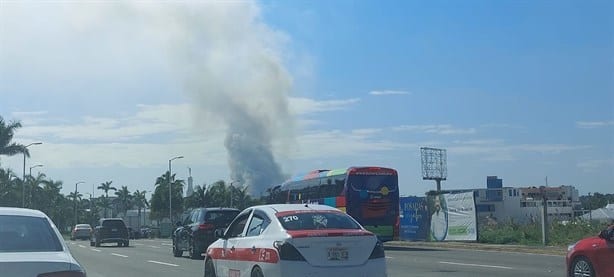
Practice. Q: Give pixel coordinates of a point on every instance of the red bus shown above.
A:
(368, 194)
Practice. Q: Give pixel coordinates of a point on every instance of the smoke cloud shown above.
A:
(232, 65)
(221, 54)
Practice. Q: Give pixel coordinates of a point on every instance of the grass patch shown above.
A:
(531, 234)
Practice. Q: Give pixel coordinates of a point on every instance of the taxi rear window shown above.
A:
(316, 221)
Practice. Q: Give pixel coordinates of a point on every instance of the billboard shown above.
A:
(452, 217)
(414, 218)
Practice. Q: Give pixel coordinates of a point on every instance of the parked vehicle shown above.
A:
(111, 230)
(593, 256)
(295, 240)
(81, 231)
(31, 245)
(197, 230)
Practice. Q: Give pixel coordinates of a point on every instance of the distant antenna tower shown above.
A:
(434, 165)
(190, 189)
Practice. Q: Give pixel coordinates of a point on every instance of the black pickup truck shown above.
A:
(110, 230)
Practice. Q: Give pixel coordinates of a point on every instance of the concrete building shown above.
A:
(497, 203)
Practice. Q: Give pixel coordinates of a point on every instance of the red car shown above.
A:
(593, 256)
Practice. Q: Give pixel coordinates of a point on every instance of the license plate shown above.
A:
(113, 230)
(337, 254)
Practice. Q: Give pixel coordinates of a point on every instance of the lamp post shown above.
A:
(38, 165)
(30, 193)
(75, 200)
(170, 195)
(23, 180)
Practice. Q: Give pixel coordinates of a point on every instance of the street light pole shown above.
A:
(170, 210)
(23, 180)
(30, 192)
(38, 165)
(75, 200)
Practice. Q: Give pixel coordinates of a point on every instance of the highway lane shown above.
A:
(149, 257)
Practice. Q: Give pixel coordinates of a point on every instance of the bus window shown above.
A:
(339, 185)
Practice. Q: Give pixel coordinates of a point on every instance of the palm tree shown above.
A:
(197, 199)
(50, 198)
(9, 192)
(72, 196)
(34, 190)
(8, 148)
(124, 199)
(104, 203)
(106, 187)
(159, 199)
(140, 201)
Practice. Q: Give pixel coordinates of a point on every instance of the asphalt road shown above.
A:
(147, 257)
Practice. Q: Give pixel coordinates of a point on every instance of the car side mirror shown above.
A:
(219, 233)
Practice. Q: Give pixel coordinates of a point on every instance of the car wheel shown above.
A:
(127, 243)
(209, 269)
(582, 267)
(97, 244)
(257, 272)
(194, 253)
(177, 252)
(91, 243)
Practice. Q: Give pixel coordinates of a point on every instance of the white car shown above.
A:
(295, 240)
(31, 246)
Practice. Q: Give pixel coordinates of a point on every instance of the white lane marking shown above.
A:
(156, 262)
(388, 257)
(154, 246)
(96, 250)
(119, 255)
(82, 246)
(167, 244)
(478, 265)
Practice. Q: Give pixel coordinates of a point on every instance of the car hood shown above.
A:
(33, 263)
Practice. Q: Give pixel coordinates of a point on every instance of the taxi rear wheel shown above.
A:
(209, 270)
(257, 272)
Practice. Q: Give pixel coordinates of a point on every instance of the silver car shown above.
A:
(31, 246)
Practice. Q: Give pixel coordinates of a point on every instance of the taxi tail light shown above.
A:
(63, 274)
(287, 252)
(206, 226)
(378, 251)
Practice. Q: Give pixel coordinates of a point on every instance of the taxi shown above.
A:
(294, 240)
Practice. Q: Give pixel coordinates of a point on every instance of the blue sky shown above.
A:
(518, 89)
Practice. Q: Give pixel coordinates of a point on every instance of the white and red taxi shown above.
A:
(295, 240)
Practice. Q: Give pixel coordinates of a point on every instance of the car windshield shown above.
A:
(27, 234)
(316, 221)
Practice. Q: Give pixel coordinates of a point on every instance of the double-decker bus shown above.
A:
(368, 194)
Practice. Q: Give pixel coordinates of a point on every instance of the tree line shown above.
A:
(43, 193)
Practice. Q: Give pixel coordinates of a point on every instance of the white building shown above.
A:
(524, 204)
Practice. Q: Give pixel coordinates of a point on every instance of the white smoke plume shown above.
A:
(221, 55)
(232, 64)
